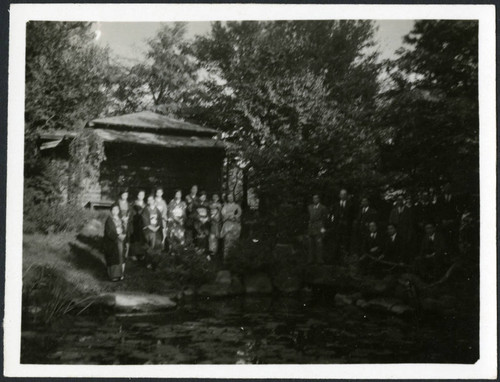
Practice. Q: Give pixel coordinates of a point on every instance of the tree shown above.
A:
(165, 79)
(67, 84)
(66, 75)
(432, 107)
(299, 98)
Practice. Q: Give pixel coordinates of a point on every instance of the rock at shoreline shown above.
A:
(258, 283)
(347, 299)
(136, 302)
(342, 299)
(224, 285)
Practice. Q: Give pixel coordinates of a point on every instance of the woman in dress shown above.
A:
(161, 204)
(114, 237)
(202, 222)
(191, 204)
(126, 216)
(176, 220)
(215, 224)
(231, 227)
(137, 236)
(153, 232)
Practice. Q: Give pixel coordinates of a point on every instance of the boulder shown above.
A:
(362, 303)
(384, 303)
(223, 277)
(401, 309)
(224, 285)
(136, 302)
(258, 283)
(93, 229)
(342, 299)
(377, 287)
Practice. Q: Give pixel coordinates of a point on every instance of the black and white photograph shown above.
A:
(297, 189)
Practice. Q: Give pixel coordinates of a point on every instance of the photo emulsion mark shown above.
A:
(273, 192)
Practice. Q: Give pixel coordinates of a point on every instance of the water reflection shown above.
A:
(245, 331)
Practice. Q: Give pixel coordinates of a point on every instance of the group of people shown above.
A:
(421, 235)
(150, 227)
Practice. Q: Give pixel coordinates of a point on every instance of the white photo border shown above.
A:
(484, 368)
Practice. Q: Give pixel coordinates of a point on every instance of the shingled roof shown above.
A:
(148, 121)
(168, 141)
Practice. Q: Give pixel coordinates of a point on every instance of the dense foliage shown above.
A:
(66, 75)
(432, 106)
(309, 104)
(165, 80)
(68, 82)
(299, 99)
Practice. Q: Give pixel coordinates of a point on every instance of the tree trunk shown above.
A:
(244, 201)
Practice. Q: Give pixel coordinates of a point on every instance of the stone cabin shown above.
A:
(144, 150)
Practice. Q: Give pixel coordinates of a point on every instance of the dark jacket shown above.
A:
(137, 235)
(376, 243)
(111, 243)
(394, 250)
(448, 210)
(425, 213)
(364, 218)
(403, 221)
(436, 246)
(342, 216)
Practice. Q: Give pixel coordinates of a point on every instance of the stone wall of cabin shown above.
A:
(138, 167)
(57, 169)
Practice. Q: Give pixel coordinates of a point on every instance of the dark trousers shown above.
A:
(315, 248)
(154, 247)
(341, 241)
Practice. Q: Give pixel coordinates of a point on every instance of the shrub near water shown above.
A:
(47, 295)
(191, 267)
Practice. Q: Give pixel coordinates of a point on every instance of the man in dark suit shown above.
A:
(365, 216)
(432, 254)
(342, 216)
(425, 212)
(318, 215)
(449, 216)
(394, 248)
(402, 217)
(372, 246)
(373, 242)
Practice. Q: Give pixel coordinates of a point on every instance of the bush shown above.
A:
(47, 295)
(191, 267)
(49, 218)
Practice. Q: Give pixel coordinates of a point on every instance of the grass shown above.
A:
(53, 251)
(82, 265)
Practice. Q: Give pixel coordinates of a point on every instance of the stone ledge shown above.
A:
(138, 302)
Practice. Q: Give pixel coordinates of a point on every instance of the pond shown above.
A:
(253, 330)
